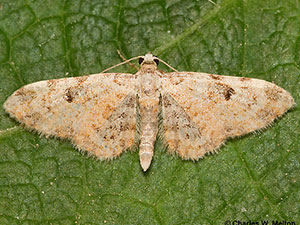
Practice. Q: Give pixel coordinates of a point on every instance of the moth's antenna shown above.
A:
(119, 64)
(124, 59)
(166, 64)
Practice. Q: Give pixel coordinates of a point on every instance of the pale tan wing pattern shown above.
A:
(181, 133)
(219, 106)
(96, 112)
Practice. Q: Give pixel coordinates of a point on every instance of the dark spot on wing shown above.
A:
(215, 77)
(123, 115)
(68, 97)
(228, 92)
(225, 89)
(70, 94)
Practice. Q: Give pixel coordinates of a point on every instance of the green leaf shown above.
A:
(253, 178)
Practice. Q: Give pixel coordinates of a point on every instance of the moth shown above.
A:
(107, 113)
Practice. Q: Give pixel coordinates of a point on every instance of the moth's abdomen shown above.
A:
(149, 128)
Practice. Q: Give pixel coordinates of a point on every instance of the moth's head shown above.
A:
(148, 59)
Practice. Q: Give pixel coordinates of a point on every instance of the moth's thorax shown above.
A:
(148, 67)
(148, 84)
